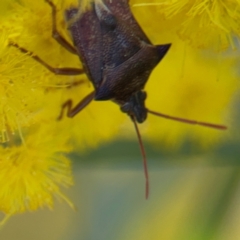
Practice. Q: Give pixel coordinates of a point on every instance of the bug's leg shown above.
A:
(76, 83)
(58, 71)
(72, 111)
(55, 34)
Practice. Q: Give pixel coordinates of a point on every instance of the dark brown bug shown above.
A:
(117, 57)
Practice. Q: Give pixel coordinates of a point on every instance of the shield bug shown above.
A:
(117, 57)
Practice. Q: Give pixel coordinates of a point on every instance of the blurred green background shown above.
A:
(194, 195)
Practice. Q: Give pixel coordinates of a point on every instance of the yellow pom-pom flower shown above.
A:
(20, 90)
(202, 23)
(31, 174)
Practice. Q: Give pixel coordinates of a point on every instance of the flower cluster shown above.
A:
(201, 23)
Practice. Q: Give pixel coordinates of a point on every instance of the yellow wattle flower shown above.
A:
(202, 23)
(33, 164)
(21, 90)
(31, 174)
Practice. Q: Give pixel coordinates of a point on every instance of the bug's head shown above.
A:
(135, 106)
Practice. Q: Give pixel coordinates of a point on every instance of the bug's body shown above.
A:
(116, 54)
(117, 57)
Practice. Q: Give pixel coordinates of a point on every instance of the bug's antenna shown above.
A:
(144, 158)
(194, 122)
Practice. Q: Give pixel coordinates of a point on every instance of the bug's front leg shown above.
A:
(55, 33)
(72, 111)
(58, 71)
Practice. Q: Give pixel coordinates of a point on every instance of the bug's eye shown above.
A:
(142, 95)
(127, 107)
